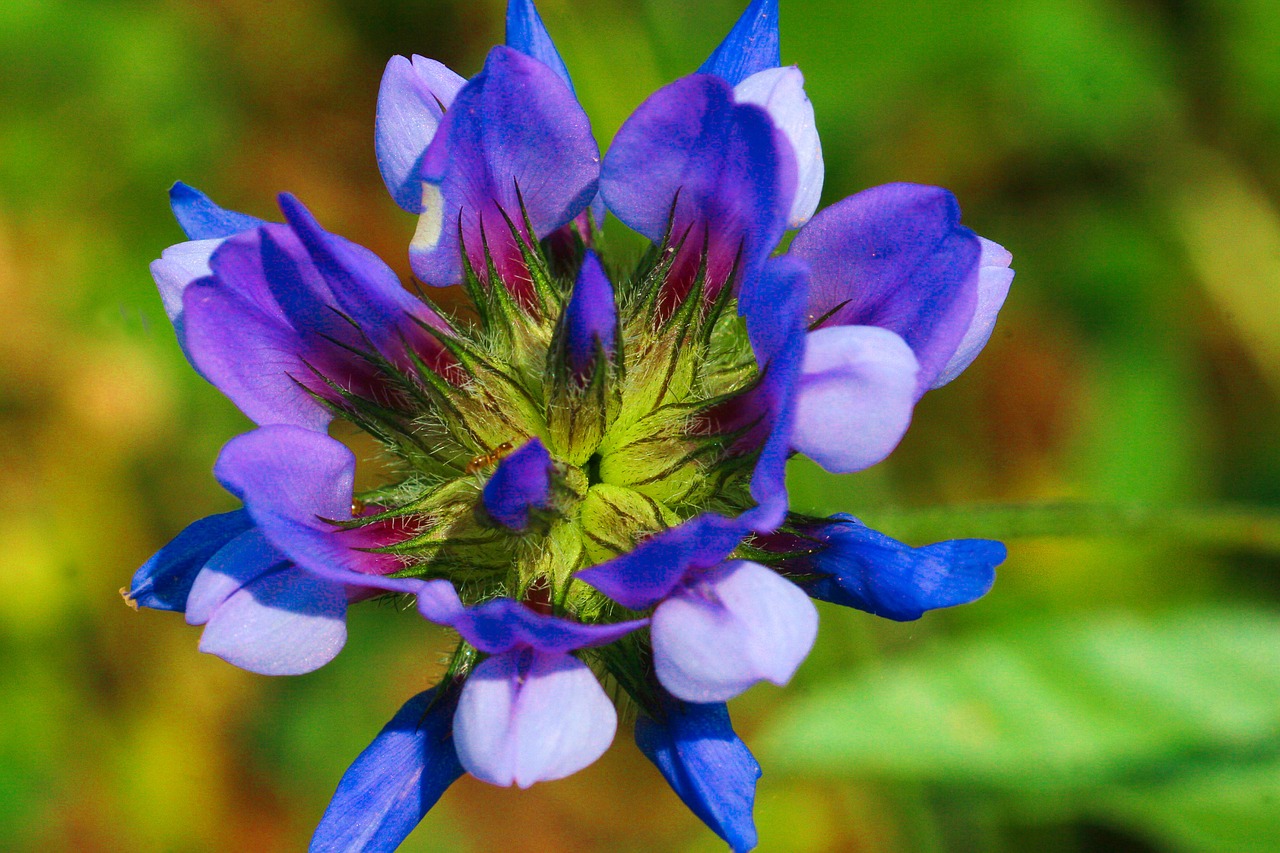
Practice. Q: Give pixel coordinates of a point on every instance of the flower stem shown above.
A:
(1230, 527)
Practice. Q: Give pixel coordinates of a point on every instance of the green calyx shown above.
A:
(637, 441)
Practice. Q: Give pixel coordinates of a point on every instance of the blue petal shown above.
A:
(527, 34)
(895, 256)
(395, 781)
(650, 571)
(201, 219)
(164, 581)
(590, 319)
(752, 45)
(706, 764)
(502, 624)
(869, 571)
(520, 484)
(715, 173)
(773, 305)
(515, 134)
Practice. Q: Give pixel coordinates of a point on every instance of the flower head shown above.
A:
(586, 476)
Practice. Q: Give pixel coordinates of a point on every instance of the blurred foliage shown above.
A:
(1111, 693)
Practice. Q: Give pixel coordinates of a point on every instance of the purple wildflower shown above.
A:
(587, 481)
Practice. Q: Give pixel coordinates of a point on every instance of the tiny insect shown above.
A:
(479, 463)
(357, 507)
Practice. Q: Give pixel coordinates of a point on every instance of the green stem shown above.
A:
(1228, 527)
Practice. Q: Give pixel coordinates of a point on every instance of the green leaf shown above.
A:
(1054, 707)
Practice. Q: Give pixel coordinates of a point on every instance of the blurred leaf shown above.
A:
(1235, 810)
(1050, 708)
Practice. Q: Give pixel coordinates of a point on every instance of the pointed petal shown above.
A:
(395, 781)
(773, 305)
(707, 765)
(201, 219)
(857, 390)
(874, 573)
(994, 279)
(515, 133)
(527, 34)
(780, 92)
(282, 622)
(503, 624)
(293, 480)
(750, 47)
(367, 290)
(527, 717)
(897, 257)
(718, 172)
(731, 627)
(411, 103)
(164, 582)
(651, 570)
(590, 319)
(520, 484)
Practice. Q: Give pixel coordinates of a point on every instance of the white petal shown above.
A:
(780, 91)
(857, 390)
(994, 278)
(738, 624)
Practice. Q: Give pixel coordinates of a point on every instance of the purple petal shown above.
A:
(411, 103)
(528, 716)
(395, 781)
(650, 571)
(780, 92)
(718, 172)
(515, 132)
(291, 480)
(503, 624)
(773, 306)
(994, 278)
(367, 290)
(729, 628)
(527, 34)
(857, 390)
(201, 219)
(895, 256)
(164, 582)
(520, 484)
(706, 764)
(590, 319)
(251, 356)
(751, 46)
(872, 572)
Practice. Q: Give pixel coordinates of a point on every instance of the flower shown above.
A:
(586, 480)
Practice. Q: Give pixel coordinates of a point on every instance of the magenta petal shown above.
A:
(515, 132)
(528, 716)
(411, 103)
(897, 257)
(994, 279)
(718, 172)
(857, 391)
(729, 628)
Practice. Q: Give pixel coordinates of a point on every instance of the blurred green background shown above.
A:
(1116, 691)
